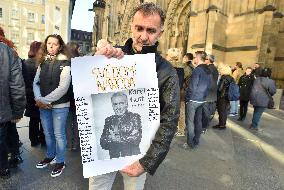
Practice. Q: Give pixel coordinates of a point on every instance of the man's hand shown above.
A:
(43, 105)
(15, 120)
(104, 48)
(134, 170)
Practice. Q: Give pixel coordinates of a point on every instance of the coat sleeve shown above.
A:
(272, 88)
(170, 104)
(17, 88)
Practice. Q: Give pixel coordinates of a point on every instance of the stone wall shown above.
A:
(248, 31)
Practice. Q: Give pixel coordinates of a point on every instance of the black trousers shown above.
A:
(208, 109)
(36, 134)
(180, 73)
(3, 146)
(12, 139)
(222, 108)
(243, 109)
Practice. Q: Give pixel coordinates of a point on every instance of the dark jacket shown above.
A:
(212, 95)
(50, 77)
(199, 84)
(128, 133)
(257, 72)
(223, 86)
(29, 70)
(169, 98)
(245, 84)
(259, 96)
(12, 86)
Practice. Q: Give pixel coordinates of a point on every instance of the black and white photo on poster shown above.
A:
(120, 122)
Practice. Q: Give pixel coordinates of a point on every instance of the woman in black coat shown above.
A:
(36, 135)
(245, 84)
(223, 102)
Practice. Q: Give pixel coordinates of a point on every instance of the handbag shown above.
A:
(270, 101)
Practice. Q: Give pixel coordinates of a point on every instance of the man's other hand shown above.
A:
(104, 48)
(134, 170)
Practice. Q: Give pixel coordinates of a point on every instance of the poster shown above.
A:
(117, 107)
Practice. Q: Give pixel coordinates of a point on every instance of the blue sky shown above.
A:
(83, 19)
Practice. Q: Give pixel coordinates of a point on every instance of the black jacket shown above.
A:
(223, 86)
(128, 133)
(245, 84)
(12, 87)
(50, 77)
(29, 71)
(169, 108)
(212, 95)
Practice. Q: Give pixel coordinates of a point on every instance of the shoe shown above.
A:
(45, 162)
(231, 115)
(5, 174)
(216, 126)
(15, 161)
(33, 144)
(179, 134)
(240, 119)
(220, 127)
(204, 130)
(58, 169)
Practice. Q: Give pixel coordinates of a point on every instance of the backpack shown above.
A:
(233, 92)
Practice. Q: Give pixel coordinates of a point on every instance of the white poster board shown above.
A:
(95, 80)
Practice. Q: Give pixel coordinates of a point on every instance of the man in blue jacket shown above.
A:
(196, 92)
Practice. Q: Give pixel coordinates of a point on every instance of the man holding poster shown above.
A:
(147, 26)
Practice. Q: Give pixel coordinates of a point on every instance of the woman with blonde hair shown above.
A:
(223, 102)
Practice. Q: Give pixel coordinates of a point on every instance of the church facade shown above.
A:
(247, 31)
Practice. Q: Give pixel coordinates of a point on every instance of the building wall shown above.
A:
(248, 31)
(25, 21)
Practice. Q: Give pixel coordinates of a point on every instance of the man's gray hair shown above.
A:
(211, 58)
(148, 9)
(119, 94)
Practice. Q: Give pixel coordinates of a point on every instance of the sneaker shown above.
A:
(45, 162)
(204, 130)
(179, 134)
(58, 169)
(5, 174)
(15, 161)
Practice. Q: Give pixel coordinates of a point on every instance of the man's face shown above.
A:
(119, 105)
(146, 30)
(185, 59)
(248, 71)
(196, 59)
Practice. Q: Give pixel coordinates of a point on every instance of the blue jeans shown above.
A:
(257, 112)
(234, 107)
(53, 122)
(190, 111)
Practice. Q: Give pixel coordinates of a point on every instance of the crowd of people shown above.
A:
(40, 88)
(208, 87)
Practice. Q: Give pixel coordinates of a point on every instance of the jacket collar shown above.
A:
(59, 57)
(145, 49)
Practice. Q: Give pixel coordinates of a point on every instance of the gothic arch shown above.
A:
(177, 23)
